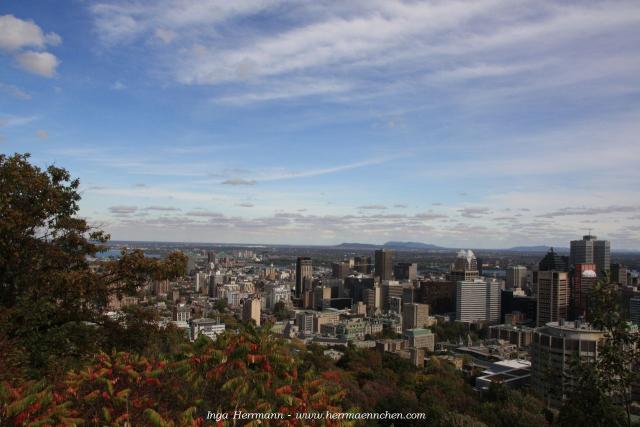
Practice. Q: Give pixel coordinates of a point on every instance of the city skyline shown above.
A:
(324, 123)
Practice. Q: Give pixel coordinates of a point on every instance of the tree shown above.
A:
(603, 386)
(52, 302)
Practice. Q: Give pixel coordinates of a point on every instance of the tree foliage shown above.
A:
(602, 392)
(52, 302)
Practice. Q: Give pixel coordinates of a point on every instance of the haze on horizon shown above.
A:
(485, 124)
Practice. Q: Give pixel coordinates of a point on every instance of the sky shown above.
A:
(482, 124)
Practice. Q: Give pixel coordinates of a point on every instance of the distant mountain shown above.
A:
(390, 245)
(539, 248)
(357, 246)
(411, 245)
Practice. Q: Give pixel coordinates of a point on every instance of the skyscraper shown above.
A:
(362, 264)
(465, 267)
(590, 250)
(582, 281)
(405, 271)
(304, 269)
(553, 296)
(478, 300)
(384, 264)
(251, 311)
(516, 277)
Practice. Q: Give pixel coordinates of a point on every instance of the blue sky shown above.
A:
(486, 123)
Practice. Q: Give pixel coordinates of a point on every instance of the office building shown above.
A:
(516, 277)
(440, 295)
(478, 300)
(391, 289)
(362, 264)
(304, 321)
(634, 310)
(465, 267)
(553, 296)
(619, 274)
(384, 264)
(420, 338)
(414, 316)
(554, 349)
(251, 311)
(405, 271)
(340, 270)
(355, 286)
(590, 250)
(304, 270)
(583, 279)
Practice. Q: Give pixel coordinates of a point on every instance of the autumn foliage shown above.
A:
(251, 371)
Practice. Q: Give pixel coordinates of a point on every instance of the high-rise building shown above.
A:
(384, 264)
(251, 311)
(634, 310)
(478, 300)
(554, 348)
(405, 271)
(304, 269)
(211, 257)
(553, 261)
(440, 295)
(619, 274)
(362, 264)
(414, 316)
(356, 285)
(516, 277)
(391, 289)
(465, 267)
(583, 279)
(590, 250)
(553, 296)
(340, 270)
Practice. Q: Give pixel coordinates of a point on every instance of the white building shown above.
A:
(478, 300)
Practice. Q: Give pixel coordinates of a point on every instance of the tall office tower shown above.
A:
(304, 269)
(516, 277)
(362, 264)
(251, 311)
(414, 316)
(553, 296)
(582, 281)
(554, 349)
(405, 271)
(478, 300)
(373, 299)
(619, 274)
(602, 257)
(590, 250)
(355, 285)
(321, 297)
(211, 257)
(391, 289)
(384, 264)
(552, 261)
(340, 270)
(634, 310)
(441, 296)
(479, 262)
(465, 267)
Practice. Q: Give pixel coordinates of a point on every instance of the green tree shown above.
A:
(52, 300)
(602, 394)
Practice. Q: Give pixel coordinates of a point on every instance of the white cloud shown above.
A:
(42, 134)
(118, 85)
(41, 63)
(166, 36)
(16, 34)
(14, 91)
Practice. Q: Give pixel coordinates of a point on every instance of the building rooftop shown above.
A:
(417, 331)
